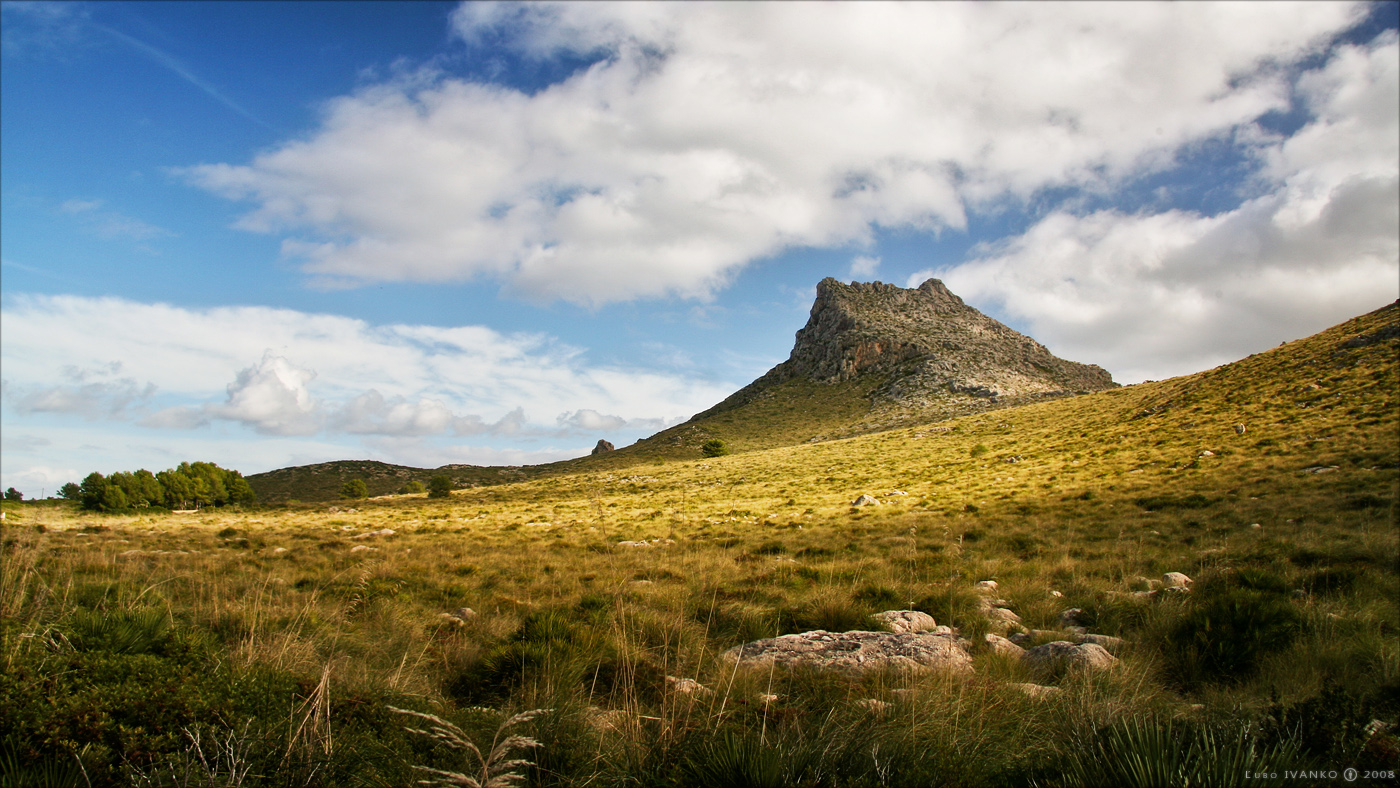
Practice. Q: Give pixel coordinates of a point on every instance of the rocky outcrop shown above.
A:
(926, 352)
(906, 621)
(602, 447)
(856, 651)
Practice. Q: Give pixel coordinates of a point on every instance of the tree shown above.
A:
(439, 487)
(239, 491)
(413, 487)
(714, 448)
(94, 488)
(70, 492)
(355, 488)
(13, 495)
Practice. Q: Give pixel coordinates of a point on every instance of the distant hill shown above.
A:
(322, 481)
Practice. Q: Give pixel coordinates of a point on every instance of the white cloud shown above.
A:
(864, 267)
(711, 135)
(1154, 295)
(186, 368)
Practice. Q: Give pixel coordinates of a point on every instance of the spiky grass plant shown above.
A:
(496, 768)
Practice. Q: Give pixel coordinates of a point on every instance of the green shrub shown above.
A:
(714, 448)
(439, 487)
(1231, 620)
(354, 489)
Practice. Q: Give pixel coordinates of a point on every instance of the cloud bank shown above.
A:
(706, 136)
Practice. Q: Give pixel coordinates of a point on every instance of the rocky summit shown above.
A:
(923, 353)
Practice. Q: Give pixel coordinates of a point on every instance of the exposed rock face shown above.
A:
(1062, 656)
(857, 651)
(603, 446)
(906, 621)
(929, 353)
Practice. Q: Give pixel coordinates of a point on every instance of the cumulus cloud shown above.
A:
(1153, 295)
(311, 371)
(864, 267)
(706, 136)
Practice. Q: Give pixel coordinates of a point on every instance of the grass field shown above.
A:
(267, 646)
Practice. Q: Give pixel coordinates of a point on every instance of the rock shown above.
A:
(1002, 617)
(905, 620)
(895, 492)
(1038, 691)
(688, 687)
(602, 447)
(986, 586)
(856, 651)
(462, 614)
(1206, 453)
(1056, 594)
(634, 544)
(1255, 526)
(361, 548)
(1107, 641)
(280, 550)
(942, 629)
(877, 707)
(1074, 617)
(1240, 429)
(865, 500)
(1176, 580)
(1320, 469)
(380, 532)
(768, 698)
(1061, 656)
(1145, 594)
(1000, 645)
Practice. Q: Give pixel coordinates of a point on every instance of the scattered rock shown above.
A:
(1255, 525)
(986, 586)
(1176, 580)
(688, 687)
(602, 447)
(905, 620)
(1055, 594)
(1038, 691)
(857, 651)
(865, 500)
(1000, 645)
(1061, 656)
(280, 550)
(1320, 469)
(1145, 594)
(362, 547)
(380, 532)
(895, 492)
(1240, 429)
(1206, 453)
(461, 614)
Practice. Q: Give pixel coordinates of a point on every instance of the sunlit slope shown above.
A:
(1319, 419)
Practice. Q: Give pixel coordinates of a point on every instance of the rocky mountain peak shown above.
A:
(923, 351)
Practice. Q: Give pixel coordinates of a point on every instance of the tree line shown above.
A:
(192, 485)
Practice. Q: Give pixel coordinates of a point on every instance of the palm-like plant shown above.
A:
(497, 768)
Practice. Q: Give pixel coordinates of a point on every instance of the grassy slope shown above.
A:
(1108, 488)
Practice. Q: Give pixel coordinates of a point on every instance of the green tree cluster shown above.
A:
(354, 489)
(190, 485)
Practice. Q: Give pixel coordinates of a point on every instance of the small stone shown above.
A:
(905, 620)
(1107, 641)
(865, 500)
(280, 550)
(1176, 580)
(380, 532)
(462, 614)
(688, 687)
(1255, 526)
(1240, 429)
(986, 586)
(1206, 453)
(1074, 617)
(1000, 645)
(361, 548)
(1056, 594)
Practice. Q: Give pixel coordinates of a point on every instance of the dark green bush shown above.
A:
(714, 448)
(1231, 620)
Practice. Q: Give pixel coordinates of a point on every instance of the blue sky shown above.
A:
(265, 234)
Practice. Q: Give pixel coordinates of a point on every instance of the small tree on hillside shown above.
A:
(70, 492)
(714, 448)
(439, 487)
(355, 488)
(412, 488)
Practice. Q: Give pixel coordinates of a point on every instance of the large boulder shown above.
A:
(1062, 656)
(856, 651)
(602, 447)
